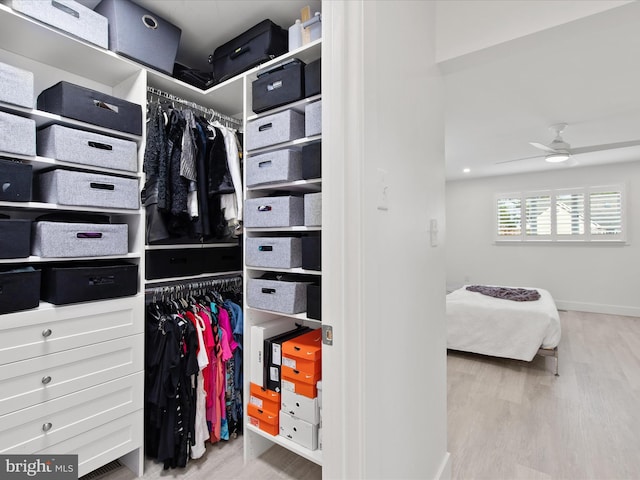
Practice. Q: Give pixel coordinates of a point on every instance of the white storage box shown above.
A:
(313, 209)
(274, 252)
(286, 211)
(299, 431)
(277, 295)
(313, 119)
(16, 86)
(87, 148)
(69, 16)
(67, 187)
(273, 129)
(17, 134)
(279, 166)
(299, 406)
(60, 239)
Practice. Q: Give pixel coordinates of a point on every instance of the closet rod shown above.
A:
(234, 280)
(226, 120)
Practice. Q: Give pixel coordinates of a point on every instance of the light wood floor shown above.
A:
(507, 419)
(511, 420)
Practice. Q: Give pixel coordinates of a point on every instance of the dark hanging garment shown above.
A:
(220, 181)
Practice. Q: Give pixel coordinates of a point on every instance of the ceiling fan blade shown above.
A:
(543, 147)
(606, 146)
(519, 159)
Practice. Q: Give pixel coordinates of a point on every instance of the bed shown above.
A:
(498, 327)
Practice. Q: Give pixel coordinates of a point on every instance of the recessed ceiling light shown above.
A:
(466, 170)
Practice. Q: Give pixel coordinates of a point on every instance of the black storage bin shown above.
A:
(82, 282)
(19, 289)
(312, 161)
(278, 86)
(15, 238)
(140, 34)
(15, 181)
(312, 76)
(273, 359)
(314, 302)
(259, 44)
(97, 108)
(311, 253)
(222, 259)
(182, 262)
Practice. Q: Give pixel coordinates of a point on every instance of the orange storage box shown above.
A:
(304, 353)
(304, 377)
(301, 388)
(264, 399)
(265, 421)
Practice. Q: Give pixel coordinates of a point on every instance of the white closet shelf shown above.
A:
(298, 316)
(298, 143)
(44, 119)
(313, 455)
(300, 271)
(303, 186)
(74, 208)
(30, 38)
(192, 277)
(297, 106)
(34, 259)
(300, 228)
(40, 163)
(190, 245)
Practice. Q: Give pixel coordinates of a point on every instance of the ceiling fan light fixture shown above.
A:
(557, 157)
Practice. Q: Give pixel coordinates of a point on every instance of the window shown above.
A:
(586, 214)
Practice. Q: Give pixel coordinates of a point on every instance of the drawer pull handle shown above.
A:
(105, 106)
(89, 235)
(264, 208)
(47, 333)
(264, 127)
(266, 163)
(269, 290)
(101, 146)
(265, 248)
(46, 380)
(65, 9)
(47, 426)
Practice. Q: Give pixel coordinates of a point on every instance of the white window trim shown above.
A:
(575, 239)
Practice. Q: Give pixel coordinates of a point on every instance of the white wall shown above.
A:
(386, 295)
(595, 278)
(471, 25)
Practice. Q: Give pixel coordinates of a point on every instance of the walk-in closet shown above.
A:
(219, 223)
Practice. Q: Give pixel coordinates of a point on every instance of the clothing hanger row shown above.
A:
(227, 121)
(193, 288)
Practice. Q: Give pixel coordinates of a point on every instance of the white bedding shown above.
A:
(501, 328)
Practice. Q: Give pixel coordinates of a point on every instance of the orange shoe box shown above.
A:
(298, 376)
(265, 421)
(296, 386)
(304, 353)
(264, 399)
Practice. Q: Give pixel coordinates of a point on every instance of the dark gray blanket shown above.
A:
(506, 293)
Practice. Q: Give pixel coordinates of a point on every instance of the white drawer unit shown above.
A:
(102, 444)
(47, 377)
(30, 334)
(40, 426)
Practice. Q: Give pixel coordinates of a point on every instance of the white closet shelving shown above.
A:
(75, 372)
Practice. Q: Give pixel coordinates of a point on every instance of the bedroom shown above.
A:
(538, 69)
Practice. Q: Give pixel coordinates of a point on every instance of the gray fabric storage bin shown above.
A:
(273, 252)
(140, 34)
(273, 129)
(60, 239)
(313, 119)
(69, 16)
(67, 187)
(87, 148)
(16, 86)
(17, 134)
(313, 209)
(279, 166)
(284, 211)
(277, 296)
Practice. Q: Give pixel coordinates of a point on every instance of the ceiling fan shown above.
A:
(559, 151)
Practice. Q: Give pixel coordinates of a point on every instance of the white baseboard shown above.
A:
(599, 308)
(444, 472)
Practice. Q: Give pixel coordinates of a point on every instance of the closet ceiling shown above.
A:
(585, 73)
